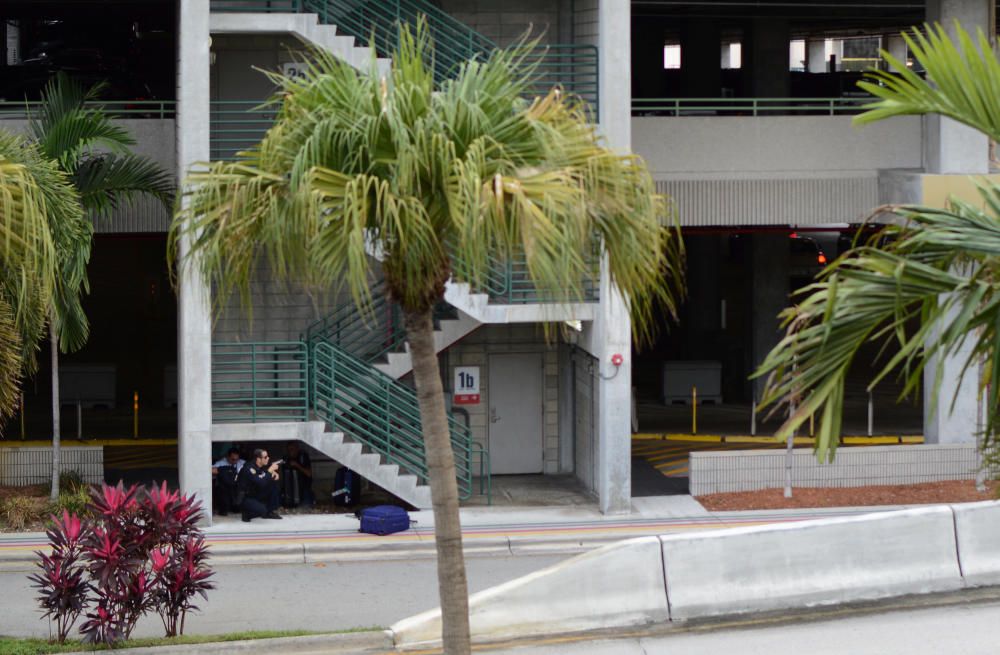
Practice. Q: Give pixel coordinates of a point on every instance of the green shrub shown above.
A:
(20, 511)
(72, 499)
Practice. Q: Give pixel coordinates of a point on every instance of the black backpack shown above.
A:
(346, 487)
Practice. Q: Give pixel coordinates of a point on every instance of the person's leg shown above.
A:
(227, 493)
(274, 502)
(253, 508)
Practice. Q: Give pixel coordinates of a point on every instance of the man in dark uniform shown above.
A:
(259, 483)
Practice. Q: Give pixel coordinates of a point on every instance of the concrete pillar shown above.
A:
(895, 46)
(765, 57)
(647, 57)
(611, 333)
(955, 149)
(770, 261)
(816, 55)
(194, 348)
(701, 67)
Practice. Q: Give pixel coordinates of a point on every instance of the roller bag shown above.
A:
(384, 519)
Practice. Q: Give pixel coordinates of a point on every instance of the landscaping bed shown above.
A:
(953, 491)
(28, 646)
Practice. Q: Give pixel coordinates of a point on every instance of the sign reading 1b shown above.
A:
(466, 385)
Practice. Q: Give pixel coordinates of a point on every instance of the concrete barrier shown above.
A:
(620, 585)
(977, 529)
(811, 563)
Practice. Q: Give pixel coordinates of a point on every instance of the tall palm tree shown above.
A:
(32, 189)
(94, 154)
(436, 178)
(939, 268)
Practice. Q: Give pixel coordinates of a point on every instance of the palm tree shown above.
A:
(939, 267)
(94, 154)
(436, 178)
(31, 190)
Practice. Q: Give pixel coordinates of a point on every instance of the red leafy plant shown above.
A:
(63, 589)
(141, 552)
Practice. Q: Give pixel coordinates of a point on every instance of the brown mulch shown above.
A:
(954, 491)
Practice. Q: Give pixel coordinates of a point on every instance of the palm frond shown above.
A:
(961, 83)
(940, 268)
(106, 182)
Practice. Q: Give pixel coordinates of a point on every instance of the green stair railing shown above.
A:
(259, 381)
(237, 125)
(366, 336)
(384, 415)
(574, 66)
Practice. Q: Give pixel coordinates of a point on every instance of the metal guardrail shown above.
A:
(383, 414)
(509, 282)
(237, 125)
(367, 336)
(260, 381)
(575, 67)
(748, 106)
(113, 108)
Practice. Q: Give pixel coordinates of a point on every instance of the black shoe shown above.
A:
(246, 517)
(272, 515)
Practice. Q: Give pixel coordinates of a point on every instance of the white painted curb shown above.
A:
(619, 585)
(827, 561)
(977, 528)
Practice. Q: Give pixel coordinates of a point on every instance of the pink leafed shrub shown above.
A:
(142, 551)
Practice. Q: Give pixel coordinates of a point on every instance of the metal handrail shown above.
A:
(260, 381)
(750, 106)
(382, 414)
(15, 110)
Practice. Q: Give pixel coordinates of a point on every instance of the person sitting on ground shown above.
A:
(224, 475)
(258, 481)
(297, 482)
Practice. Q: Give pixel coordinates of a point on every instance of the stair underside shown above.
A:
(337, 447)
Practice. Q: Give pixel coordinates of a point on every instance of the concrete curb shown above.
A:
(739, 571)
(333, 643)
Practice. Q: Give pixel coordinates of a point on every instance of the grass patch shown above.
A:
(29, 646)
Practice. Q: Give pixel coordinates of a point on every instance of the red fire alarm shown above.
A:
(617, 359)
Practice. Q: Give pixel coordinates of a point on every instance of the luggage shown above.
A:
(290, 483)
(384, 519)
(346, 487)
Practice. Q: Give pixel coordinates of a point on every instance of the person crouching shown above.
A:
(259, 483)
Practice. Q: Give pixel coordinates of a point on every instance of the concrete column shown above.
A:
(194, 348)
(611, 333)
(816, 55)
(770, 260)
(955, 149)
(765, 57)
(895, 46)
(701, 67)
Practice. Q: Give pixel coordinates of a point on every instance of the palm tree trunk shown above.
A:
(452, 586)
(54, 339)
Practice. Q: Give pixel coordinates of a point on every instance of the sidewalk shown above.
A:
(486, 531)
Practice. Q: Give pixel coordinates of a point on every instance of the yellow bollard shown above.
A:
(812, 431)
(694, 410)
(135, 415)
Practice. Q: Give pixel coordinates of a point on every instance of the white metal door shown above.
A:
(515, 413)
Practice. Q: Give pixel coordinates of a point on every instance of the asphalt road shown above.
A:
(968, 629)
(322, 597)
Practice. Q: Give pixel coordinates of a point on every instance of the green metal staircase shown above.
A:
(573, 66)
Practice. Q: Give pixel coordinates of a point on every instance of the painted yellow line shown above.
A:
(919, 439)
(73, 443)
(703, 438)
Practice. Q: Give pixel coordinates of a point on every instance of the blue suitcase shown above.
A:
(384, 519)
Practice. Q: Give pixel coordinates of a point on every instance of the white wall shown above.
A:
(690, 147)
